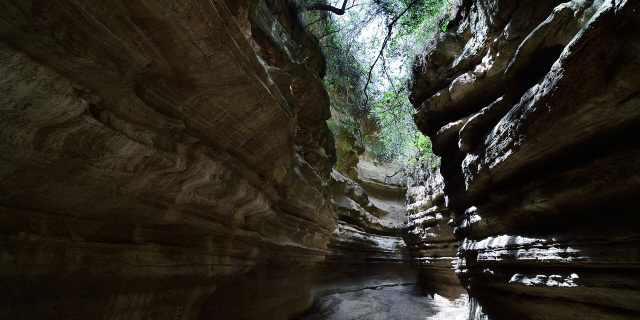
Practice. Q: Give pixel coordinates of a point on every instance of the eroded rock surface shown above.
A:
(171, 160)
(368, 249)
(160, 160)
(148, 159)
(430, 239)
(534, 108)
(382, 303)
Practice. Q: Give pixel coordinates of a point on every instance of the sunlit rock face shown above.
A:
(160, 160)
(534, 108)
(385, 186)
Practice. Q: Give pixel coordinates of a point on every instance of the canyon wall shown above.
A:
(429, 237)
(171, 160)
(534, 109)
(368, 250)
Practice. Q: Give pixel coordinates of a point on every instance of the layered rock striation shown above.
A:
(368, 250)
(429, 237)
(164, 160)
(534, 109)
(160, 160)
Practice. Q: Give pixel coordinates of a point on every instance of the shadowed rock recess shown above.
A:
(171, 160)
(534, 109)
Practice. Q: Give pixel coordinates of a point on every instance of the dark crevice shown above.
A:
(535, 71)
(627, 140)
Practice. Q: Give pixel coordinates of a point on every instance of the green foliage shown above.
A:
(401, 143)
(444, 27)
(381, 119)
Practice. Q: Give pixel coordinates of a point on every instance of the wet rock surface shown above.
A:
(534, 109)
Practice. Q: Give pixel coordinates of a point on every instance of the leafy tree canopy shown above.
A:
(369, 46)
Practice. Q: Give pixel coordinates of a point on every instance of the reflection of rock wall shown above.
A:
(533, 107)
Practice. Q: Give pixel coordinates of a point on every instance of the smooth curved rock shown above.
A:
(160, 160)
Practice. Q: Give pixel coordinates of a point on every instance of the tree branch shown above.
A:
(384, 44)
(330, 33)
(391, 176)
(326, 7)
(312, 23)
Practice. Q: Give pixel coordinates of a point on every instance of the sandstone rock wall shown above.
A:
(534, 108)
(160, 160)
(430, 239)
(171, 160)
(367, 249)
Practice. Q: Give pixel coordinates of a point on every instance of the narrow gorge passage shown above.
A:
(279, 159)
